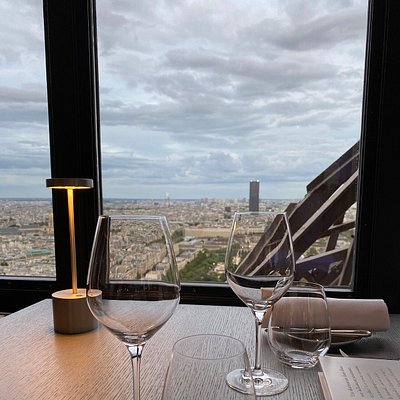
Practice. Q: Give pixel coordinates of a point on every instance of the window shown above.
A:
(74, 135)
(197, 101)
(26, 229)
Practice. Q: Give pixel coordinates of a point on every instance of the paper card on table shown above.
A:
(324, 384)
(361, 378)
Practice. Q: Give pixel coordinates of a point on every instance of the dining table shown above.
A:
(38, 363)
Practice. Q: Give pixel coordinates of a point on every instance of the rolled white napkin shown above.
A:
(360, 314)
(369, 314)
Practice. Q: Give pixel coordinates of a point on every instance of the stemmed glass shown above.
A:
(133, 286)
(259, 267)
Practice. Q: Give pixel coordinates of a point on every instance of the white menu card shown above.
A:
(348, 378)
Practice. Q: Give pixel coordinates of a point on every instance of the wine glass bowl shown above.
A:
(259, 267)
(133, 285)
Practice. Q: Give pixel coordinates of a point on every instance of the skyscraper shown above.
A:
(254, 196)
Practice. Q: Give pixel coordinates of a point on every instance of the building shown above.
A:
(254, 196)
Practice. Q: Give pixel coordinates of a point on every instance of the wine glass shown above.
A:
(133, 286)
(259, 267)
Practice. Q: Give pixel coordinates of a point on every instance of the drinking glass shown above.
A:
(259, 267)
(299, 325)
(133, 286)
(203, 367)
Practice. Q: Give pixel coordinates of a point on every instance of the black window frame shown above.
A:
(74, 131)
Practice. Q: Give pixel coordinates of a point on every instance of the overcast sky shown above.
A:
(197, 97)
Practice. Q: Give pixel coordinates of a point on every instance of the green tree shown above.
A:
(202, 267)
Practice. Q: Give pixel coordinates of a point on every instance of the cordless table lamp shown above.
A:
(70, 311)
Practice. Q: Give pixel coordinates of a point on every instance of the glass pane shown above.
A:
(26, 233)
(209, 107)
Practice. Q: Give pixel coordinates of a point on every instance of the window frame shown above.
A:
(377, 242)
(74, 131)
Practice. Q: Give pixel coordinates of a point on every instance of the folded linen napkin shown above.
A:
(368, 314)
(360, 314)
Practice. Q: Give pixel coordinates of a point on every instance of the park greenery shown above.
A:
(203, 267)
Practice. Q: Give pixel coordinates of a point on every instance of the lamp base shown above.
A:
(71, 313)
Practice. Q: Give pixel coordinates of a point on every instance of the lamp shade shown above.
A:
(69, 183)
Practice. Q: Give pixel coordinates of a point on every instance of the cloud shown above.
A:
(198, 98)
(326, 31)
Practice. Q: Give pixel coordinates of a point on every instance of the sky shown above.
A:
(197, 97)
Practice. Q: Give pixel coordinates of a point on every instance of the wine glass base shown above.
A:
(269, 382)
(237, 381)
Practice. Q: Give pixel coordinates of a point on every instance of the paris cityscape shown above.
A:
(26, 228)
(197, 226)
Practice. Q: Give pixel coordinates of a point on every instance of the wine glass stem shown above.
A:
(259, 316)
(136, 357)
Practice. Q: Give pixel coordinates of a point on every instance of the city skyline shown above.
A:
(196, 99)
(27, 241)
